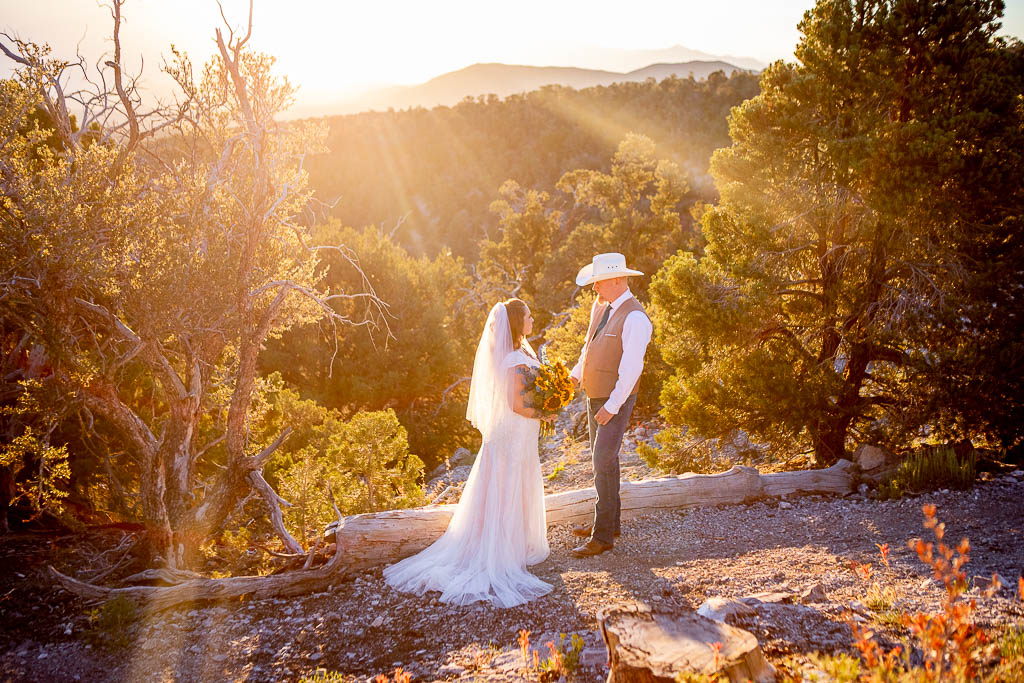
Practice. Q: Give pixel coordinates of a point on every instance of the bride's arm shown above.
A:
(521, 395)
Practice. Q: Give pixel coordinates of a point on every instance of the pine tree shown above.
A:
(856, 199)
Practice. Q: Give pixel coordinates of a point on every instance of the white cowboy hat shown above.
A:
(604, 267)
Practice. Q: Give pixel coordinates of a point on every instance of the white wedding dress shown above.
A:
(498, 527)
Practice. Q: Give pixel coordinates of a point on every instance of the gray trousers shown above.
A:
(605, 442)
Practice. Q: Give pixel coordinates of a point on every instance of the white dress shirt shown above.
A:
(636, 335)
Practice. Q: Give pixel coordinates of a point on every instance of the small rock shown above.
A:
(869, 457)
(377, 622)
(813, 594)
(218, 657)
(785, 505)
(724, 609)
(994, 583)
(771, 597)
(594, 656)
(316, 656)
(42, 655)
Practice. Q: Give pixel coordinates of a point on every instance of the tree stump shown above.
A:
(646, 645)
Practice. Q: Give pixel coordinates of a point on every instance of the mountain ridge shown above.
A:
(503, 80)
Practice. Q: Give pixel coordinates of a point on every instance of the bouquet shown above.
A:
(552, 390)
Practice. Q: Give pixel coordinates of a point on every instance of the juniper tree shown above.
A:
(152, 258)
(864, 192)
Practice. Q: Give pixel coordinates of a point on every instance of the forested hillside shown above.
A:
(437, 171)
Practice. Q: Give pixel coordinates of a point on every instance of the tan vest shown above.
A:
(603, 353)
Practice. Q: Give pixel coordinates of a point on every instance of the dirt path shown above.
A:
(361, 628)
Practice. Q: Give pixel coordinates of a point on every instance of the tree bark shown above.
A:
(161, 597)
(646, 645)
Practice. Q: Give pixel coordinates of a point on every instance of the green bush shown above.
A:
(928, 469)
(678, 452)
(323, 676)
(113, 624)
(1011, 645)
(366, 466)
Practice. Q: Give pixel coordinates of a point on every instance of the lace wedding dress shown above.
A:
(498, 527)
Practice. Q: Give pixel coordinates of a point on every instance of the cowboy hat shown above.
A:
(604, 267)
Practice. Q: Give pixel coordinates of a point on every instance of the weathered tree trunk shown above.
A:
(647, 645)
(375, 538)
(156, 598)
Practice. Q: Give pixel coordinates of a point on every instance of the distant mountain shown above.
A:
(508, 79)
(619, 59)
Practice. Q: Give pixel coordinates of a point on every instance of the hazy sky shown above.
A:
(332, 46)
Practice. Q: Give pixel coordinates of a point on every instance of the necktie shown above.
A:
(604, 320)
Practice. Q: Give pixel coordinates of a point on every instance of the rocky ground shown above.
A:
(794, 555)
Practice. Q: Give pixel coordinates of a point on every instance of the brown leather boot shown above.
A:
(584, 531)
(591, 548)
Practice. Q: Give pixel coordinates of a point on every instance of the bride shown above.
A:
(498, 527)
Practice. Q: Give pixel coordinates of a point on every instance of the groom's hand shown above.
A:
(603, 416)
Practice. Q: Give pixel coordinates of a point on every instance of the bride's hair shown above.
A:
(516, 310)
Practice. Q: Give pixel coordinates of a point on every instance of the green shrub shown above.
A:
(323, 676)
(1011, 645)
(564, 660)
(365, 464)
(929, 469)
(677, 453)
(113, 624)
(841, 668)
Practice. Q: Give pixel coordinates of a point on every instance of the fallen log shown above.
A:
(647, 646)
(155, 598)
(377, 538)
(299, 582)
(380, 537)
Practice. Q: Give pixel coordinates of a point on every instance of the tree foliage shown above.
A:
(152, 268)
(858, 226)
(420, 370)
(361, 464)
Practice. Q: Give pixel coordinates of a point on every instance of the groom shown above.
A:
(609, 370)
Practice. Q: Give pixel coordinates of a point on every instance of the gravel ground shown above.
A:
(677, 560)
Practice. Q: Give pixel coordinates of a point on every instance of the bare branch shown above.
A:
(255, 462)
(801, 292)
(126, 101)
(273, 502)
(448, 390)
(13, 55)
(152, 352)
